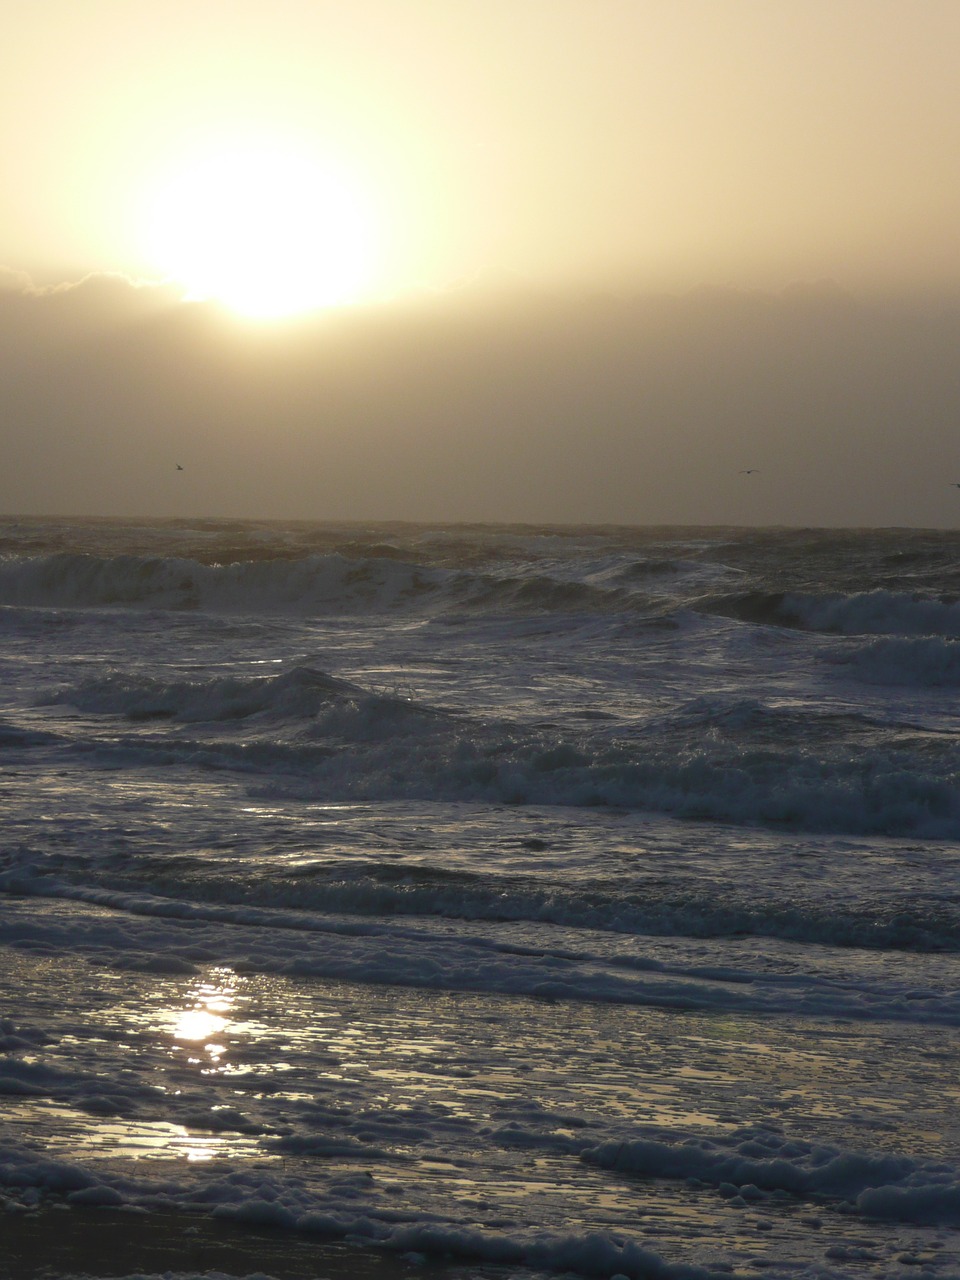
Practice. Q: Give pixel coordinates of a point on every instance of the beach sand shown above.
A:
(49, 1244)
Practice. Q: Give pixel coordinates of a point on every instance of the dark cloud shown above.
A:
(634, 409)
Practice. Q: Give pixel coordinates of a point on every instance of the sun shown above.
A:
(262, 227)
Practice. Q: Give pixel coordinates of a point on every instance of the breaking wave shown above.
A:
(319, 737)
(862, 613)
(924, 662)
(302, 693)
(312, 585)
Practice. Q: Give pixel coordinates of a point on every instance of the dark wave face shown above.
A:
(666, 691)
(862, 613)
(836, 583)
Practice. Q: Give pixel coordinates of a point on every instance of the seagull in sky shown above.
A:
(179, 468)
(750, 471)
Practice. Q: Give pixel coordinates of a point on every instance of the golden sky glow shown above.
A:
(636, 142)
(548, 260)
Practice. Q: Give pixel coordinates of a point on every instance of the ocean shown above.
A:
(537, 900)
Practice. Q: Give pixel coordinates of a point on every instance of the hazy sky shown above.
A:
(501, 208)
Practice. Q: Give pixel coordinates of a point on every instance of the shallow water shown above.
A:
(563, 900)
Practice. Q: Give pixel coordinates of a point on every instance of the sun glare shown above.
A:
(263, 229)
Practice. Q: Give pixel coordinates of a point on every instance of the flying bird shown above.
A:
(750, 471)
(179, 468)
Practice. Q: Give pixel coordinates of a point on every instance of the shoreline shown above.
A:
(48, 1243)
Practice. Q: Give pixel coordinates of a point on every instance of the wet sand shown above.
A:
(109, 1243)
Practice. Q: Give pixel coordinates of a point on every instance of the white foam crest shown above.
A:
(925, 662)
(300, 693)
(749, 1166)
(878, 793)
(874, 612)
(762, 1161)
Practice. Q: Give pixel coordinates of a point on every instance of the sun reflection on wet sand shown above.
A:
(206, 1018)
(196, 1029)
(217, 992)
(418, 1102)
(70, 1131)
